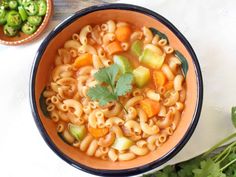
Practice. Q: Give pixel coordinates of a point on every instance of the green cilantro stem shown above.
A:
(118, 101)
(219, 144)
(227, 165)
(224, 155)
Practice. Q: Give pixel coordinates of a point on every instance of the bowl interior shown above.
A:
(138, 19)
(24, 38)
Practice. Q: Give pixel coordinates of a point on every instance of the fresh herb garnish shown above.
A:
(111, 85)
(216, 162)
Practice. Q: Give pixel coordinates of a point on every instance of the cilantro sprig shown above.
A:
(111, 85)
(216, 162)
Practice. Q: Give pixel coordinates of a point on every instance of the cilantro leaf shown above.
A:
(114, 88)
(123, 85)
(208, 168)
(107, 75)
(102, 94)
(186, 168)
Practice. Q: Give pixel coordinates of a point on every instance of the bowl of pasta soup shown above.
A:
(113, 95)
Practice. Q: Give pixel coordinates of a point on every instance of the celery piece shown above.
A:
(76, 131)
(123, 63)
(141, 76)
(136, 48)
(152, 59)
(122, 143)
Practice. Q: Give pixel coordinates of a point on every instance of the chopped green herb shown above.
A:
(103, 94)
(123, 85)
(114, 87)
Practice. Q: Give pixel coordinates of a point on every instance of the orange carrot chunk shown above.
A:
(114, 47)
(97, 132)
(150, 107)
(123, 33)
(83, 60)
(159, 78)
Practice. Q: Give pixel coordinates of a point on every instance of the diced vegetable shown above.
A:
(122, 143)
(22, 13)
(78, 132)
(141, 76)
(137, 47)
(150, 107)
(22, 2)
(35, 20)
(27, 28)
(123, 63)
(83, 60)
(3, 14)
(159, 78)
(98, 132)
(152, 59)
(31, 8)
(123, 33)
(114, 47)
(9, 31)
(68, 137)
(4, 4)
(13, 4)
(14, 19)
(42, 7)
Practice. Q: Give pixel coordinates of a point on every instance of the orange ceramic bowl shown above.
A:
(25, 38)
(138, 16)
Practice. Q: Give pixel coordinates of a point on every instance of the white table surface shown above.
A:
(210, 26)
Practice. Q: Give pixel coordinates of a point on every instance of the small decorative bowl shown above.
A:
(138, 16)
(24, 38)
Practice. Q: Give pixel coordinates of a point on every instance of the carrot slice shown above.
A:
(83, 60)
(114, 47)
(97, 132)
(150, 107)
(123, 33)
(159, 78)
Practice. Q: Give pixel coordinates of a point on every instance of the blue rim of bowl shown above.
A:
(130, 171)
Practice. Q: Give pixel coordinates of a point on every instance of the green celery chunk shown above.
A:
(137, 47)
(76, 131)
(141, 76)
(122, 143)
(123, 63)
(152, 59)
